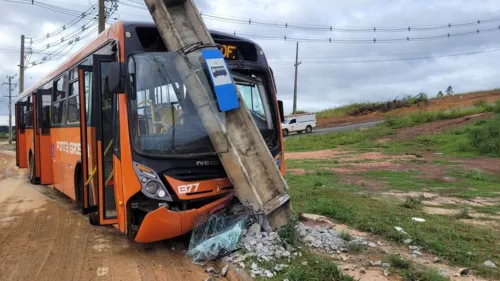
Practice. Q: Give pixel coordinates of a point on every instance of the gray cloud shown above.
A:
(325, 84)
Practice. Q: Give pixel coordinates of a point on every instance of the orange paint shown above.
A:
(163, 224)
(199, 189)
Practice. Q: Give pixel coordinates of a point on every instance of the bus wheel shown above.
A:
(94, 219)
(285, 132)
(309, 129)
(32, 169)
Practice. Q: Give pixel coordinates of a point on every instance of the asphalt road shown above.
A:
(338, 129)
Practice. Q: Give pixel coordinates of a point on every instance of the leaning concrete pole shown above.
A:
(247, 160)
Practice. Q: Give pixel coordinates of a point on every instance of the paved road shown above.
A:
(339, 128)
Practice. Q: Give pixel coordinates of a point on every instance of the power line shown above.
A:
(366, 40)
(65, 27)
(395, 59)
(291, 59)
(287, 25)
(309, 27)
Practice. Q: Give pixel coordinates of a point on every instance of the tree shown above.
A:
(440, 94)
(449, 91)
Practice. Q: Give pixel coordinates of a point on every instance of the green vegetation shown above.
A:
(422, 275)
(482, 138)
(397, 121)
(463, 186)
(340, 111)
(307, 267)
(413, 203)
(345, 235)
(397, 262)
(317, 268)
(288, 232)
(463, 213)
(332, 140)
(450, 239)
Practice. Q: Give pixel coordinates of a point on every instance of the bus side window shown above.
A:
(29, 112)
(74, 102)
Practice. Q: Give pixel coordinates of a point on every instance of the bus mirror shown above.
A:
(280, 108)
(116, 77)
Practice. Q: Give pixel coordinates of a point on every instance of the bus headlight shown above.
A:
(151, 184)
(152, 187)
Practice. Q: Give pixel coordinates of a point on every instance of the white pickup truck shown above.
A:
(299, 123)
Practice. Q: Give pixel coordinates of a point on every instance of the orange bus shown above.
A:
(137, 156)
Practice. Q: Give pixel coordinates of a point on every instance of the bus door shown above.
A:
(20, 135)
(96, 114)
(43, 150)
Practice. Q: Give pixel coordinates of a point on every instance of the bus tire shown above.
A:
(94, 218)
(285, 132)
(32, 174)
(309, 129)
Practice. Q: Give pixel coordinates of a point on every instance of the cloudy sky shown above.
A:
(331, 74)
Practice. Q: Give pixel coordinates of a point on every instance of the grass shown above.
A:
(464, 186)
(449, 239)
(288, 232)
(422, 275)
(463, 213)
(410, 120)
(340, 111)
(413, 203)
(307, 267)
(345, 235)
(397, 262)
(332, 140)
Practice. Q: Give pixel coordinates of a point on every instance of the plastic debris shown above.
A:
(418, 219)
(400, 230)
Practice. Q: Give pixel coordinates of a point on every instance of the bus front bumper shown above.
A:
(162, 223)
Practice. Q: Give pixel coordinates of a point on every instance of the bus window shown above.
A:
(73, 103)
(45, 117)
(29, 112)
(254, 94)
(88, 103)
(163, 121)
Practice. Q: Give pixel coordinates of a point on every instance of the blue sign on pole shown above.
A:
(224, 88)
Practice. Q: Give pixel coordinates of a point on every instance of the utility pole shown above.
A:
(102, 16)
(10, 106)
(21, 67)
(248, 163)
(297, 63)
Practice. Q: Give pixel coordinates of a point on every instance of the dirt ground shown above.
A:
(456, 101)
(43, 237)
(353, 263)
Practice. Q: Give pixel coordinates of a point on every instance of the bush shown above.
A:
(289, 233)
(413, 202)
(397, 262)
(486, 138)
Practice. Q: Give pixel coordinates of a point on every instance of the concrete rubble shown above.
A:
(268, 248)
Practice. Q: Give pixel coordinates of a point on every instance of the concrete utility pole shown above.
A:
(297, 63)
(21, 67)
(9, 78)
(246, 158)
(102, 16)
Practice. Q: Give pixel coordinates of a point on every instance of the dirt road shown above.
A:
(43, 237)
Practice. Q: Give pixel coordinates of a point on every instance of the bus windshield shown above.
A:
(164, 121)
